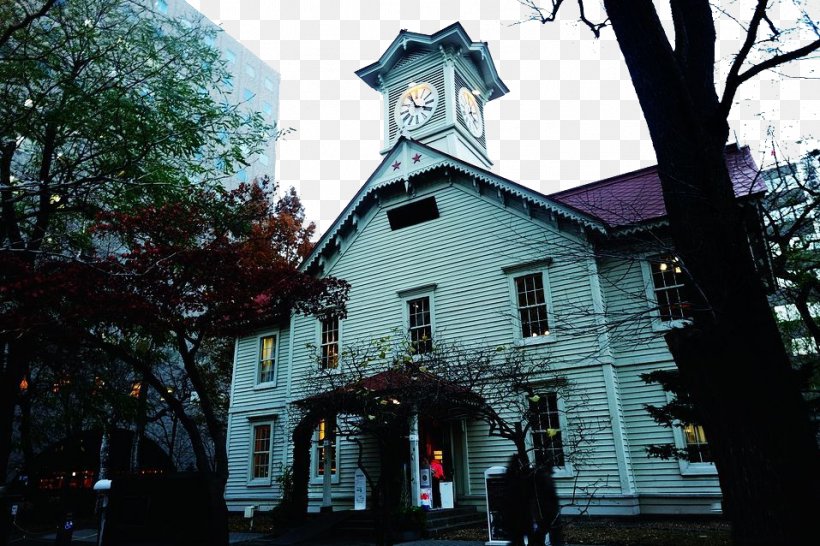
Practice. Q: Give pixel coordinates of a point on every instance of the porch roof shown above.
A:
(399, 387)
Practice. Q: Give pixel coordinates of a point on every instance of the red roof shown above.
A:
(636, 197)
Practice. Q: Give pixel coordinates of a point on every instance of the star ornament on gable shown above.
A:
(396, 165)
(416, 158)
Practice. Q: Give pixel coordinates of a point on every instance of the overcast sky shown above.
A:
(571, 115)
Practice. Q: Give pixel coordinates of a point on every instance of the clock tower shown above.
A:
(434, 89)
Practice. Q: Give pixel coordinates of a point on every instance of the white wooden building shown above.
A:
(434, 242)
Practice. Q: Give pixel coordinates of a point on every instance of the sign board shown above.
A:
(494, 483)
(359, 490)
(426, 497)
(445, 493)
(424, 477)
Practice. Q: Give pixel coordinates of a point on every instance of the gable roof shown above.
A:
(400, 166)
(453, 35)
(630, 199)
(636, 197)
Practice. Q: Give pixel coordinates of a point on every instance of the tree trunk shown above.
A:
(302, 435)
(105, 451)
(139, 426)
(732, 359)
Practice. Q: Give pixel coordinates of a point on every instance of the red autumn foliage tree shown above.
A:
(166, 278)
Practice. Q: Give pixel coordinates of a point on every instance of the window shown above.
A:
(267, 109)
(330, 343)
(697, 447)
(263, 159)
(267, 358)
(545, 425)
(532, 305)
(268, 83)
(413, 213)
(161, 5)
(230, 56)
(247, 94)
(319, 449)
(669, 287)
(260, 459)
(242, 175)
(250, 71)
(420, 325)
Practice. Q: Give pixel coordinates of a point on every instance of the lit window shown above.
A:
(668, 282)
(242, 175)
(532, 305)
(161, 5)
(267, 109)
(247, 94)
(250, 71)
(546, 429)
(260, 463)
(697, 447)
(330, 343)
(420, 325)
(267, 358)
(319, 448)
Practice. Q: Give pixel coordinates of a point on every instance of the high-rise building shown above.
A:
(253, 83)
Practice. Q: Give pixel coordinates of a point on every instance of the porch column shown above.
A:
(327, 475)
(415, 487)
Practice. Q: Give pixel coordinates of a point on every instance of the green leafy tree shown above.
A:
(731, 360)
(104, 105)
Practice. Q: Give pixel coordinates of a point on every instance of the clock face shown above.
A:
(470, 111)
(416, 105)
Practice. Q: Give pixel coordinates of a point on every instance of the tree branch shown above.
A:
(735, 78)
(537, 13)
(27, 20)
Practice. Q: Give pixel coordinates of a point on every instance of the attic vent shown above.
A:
(413, 213)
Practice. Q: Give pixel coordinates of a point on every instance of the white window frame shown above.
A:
(319, 344)
(315, 477)
(565, 471)
(690, 468)
(658, 324)
(406, 296)
(254, 424)
(516, 272)
(258, 383)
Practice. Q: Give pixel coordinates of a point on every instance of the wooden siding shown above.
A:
(630, 315)
(654, 476)
(462, 253)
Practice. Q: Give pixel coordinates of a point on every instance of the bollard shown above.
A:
(102, 487)
(66, 530)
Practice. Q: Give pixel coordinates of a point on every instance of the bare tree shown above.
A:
(381, 381)
(732, 359)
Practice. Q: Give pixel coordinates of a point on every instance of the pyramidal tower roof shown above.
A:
(454, 36)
